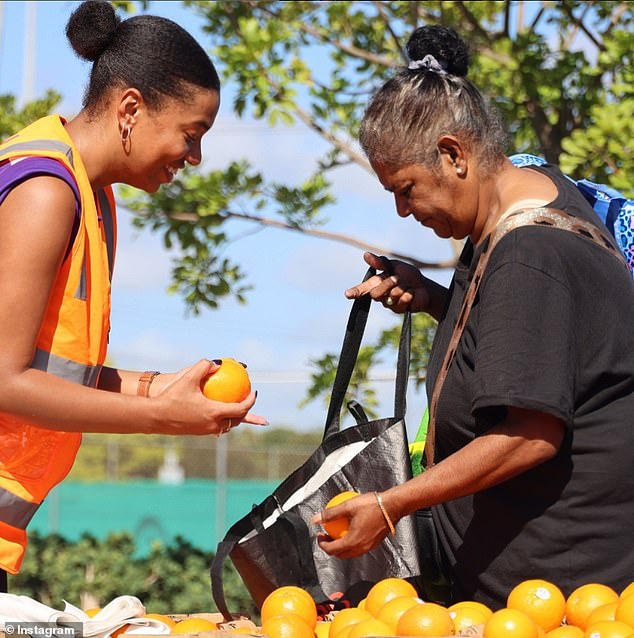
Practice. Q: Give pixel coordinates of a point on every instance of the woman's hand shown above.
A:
(368, 526)
(400, 287)
(185, 409)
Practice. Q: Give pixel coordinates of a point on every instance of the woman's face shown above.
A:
(163, 140)
(442, 200)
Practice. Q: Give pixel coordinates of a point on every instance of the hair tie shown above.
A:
(428, 63)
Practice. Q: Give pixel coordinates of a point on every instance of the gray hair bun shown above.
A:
(444, 44)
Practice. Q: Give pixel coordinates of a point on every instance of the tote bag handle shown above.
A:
(348, 358)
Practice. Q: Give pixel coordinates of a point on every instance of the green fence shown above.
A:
(199, 510)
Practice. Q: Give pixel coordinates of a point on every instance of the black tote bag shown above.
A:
(275, 545)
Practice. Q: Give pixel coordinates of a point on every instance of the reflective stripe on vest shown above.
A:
(38, 145)
(16, 511)
(108, 226)
(65, 368)
(60, 367)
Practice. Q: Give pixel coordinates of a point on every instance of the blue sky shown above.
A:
(297, 310)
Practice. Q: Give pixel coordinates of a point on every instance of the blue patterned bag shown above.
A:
(614, 209)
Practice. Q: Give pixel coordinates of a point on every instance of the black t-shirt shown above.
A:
(551, 330)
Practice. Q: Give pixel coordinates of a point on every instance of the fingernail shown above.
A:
(217, 361)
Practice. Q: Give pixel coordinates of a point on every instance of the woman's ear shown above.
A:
(129, 106)
(452, 155)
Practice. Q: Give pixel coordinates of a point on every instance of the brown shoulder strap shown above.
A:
(549, 217)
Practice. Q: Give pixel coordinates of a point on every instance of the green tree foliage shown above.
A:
(90, 573)
(12, 118)
(561, 74)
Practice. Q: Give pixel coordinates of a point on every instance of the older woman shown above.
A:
(532, 475)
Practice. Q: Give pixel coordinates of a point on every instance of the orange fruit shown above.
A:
(230, 383)
(584, 600)
(427, 619)
(393, 609)
(386, 589)
(170, 622)
(565, 631)
(346, 617)
(193, 626)
(605, 612)
(471, 603)
(510, 623)
(290, 600)
(540, 600)
(625, 610)
(287, 626)
(345, 632)
(609, 629)
(628, 591)
(370, 627)
(338, 527)
(466, 616)
(121, 630)
(92, 612)
(322, 628)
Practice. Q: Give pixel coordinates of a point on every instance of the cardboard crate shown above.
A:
(223, 631)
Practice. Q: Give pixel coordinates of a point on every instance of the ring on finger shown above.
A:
(389, 301)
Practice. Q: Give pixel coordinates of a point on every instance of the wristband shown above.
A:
(386, 516)
(145, 381)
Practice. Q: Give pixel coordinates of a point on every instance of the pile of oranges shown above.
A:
(534, 609)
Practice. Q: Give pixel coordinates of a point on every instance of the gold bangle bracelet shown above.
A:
(386, 516)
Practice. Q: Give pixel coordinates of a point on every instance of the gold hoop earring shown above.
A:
(126, 137)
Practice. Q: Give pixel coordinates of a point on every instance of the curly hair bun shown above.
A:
(91, 28)
(444, 44)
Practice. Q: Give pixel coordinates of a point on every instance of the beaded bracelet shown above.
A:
(386, 516)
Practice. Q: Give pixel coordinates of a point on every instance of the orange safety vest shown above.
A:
(71, 343)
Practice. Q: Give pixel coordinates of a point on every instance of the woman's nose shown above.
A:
(194, 155)
(402, 206)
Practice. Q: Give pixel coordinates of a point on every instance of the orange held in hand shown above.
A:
(230, 383)
(338, 527)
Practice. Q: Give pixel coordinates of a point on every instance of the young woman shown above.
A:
(534, 422)
(142, 120)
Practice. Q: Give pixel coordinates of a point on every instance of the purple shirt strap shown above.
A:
(14, 172)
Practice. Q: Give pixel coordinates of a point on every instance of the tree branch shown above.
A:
(472, 20)
(616, 16)
(345, 148)
(537, 18)
(313, 232)
(388, 25)
(507, 19)
(346, 48)
(579, 23)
